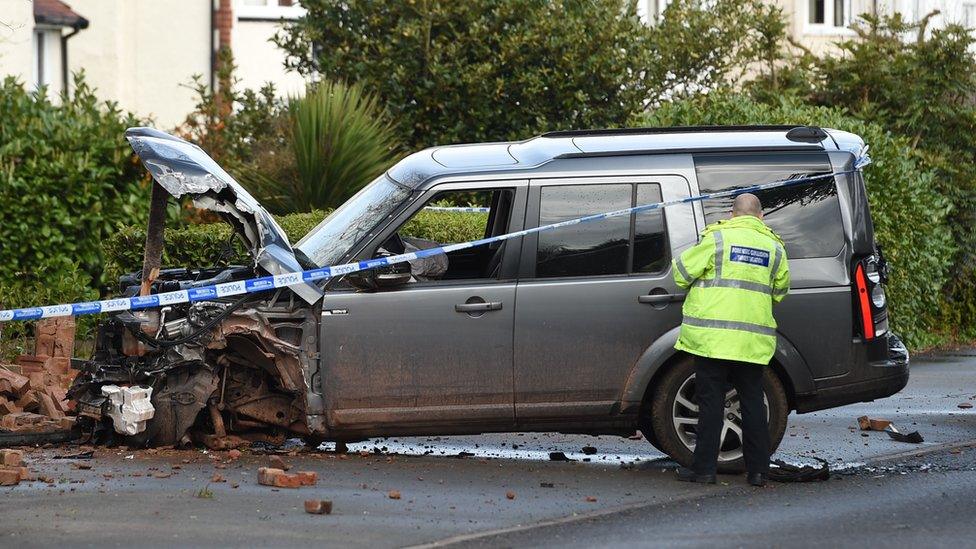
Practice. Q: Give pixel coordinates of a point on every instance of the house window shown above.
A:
(969, 15)
(268, 9)
(829, 13)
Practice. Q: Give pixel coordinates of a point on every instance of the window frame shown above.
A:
(271, 11)
(530, 245)
(828, 27)
(509, 268)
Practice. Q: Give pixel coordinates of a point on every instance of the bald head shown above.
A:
(747, 204)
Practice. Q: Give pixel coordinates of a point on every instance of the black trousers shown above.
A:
(712, 378)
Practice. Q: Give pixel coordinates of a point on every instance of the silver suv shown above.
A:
(571, 330)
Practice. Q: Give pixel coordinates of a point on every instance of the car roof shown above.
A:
(420, 167)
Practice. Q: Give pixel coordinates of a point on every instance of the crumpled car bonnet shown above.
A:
(182, 168)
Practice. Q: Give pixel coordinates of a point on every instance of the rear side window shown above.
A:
(618, 245)
(807, 217)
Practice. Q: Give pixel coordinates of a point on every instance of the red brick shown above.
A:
(393, 494)
(48, 407)
(318, 507)
(28, 402)
(30, 363)
(278, 463)
(13, 382)
(9, 476)
(7, 407)
(308, 478)
(234, 454)
(266, 475)
(11, 458)
(284, 480)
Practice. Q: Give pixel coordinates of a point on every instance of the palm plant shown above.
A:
(328, 145)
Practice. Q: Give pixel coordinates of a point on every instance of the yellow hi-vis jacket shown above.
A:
(735, 273)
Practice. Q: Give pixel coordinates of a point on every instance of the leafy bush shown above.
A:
(206, 245)
(68, 179)
(910, 220)
(918, 83)
(330, 143)
(478, 70)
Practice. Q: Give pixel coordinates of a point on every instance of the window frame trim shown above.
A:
(828, 27)
(509, 273)
(530, 245)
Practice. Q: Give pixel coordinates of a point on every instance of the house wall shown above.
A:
(259, 60)
(143, 53)
(17, 40)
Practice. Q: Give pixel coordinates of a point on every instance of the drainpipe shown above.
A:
(77, 27)
(213, 50)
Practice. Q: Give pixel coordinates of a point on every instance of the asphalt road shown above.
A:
(625, 495)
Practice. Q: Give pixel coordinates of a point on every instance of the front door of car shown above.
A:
(434, 353)
(593, 297)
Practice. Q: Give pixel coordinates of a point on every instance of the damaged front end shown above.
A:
(215, 371)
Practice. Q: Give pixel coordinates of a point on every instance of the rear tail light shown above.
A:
(870, 299)
(867, 319)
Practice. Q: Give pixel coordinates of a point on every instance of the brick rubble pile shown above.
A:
(32, 391)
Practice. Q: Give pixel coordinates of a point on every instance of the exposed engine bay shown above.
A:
(232, 366)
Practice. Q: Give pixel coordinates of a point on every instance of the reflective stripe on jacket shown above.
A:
(735, 273)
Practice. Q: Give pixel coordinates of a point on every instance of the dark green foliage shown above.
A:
(327, 145)
(910, 221)
(469, 71)
(68, 179)
(920, 84)
(207, 245)
(695, 49)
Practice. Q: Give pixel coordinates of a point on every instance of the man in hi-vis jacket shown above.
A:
(735, 274)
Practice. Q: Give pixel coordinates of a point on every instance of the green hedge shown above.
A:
(910, 219)
(204, 245)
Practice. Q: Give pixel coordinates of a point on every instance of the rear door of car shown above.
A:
(592, 298)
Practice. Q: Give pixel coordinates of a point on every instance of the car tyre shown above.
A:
(675, 444)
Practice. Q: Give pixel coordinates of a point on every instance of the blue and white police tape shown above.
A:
(265, 283)
(457, 209)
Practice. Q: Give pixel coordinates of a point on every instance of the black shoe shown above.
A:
(687, 475)
(756, 479)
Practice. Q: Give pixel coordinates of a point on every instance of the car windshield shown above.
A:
(336, 235)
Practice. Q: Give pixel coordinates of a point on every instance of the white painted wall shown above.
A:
(142, 53)
(259, 60)
(17, 39)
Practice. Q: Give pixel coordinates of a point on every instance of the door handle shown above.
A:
(660, 299)
(478, 307)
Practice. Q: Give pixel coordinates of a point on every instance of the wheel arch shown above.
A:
(787, 363)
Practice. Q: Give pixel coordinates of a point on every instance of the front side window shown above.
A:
(619, 245)
(807, 217)
(450, 217)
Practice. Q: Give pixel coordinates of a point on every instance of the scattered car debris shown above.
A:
(913, 438)
(318, 507)
(589, 450)
(965, 405)
(80, 455)
(787, 472)
(870, 424)
(559, 456)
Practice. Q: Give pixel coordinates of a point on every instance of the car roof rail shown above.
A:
(679, 129)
